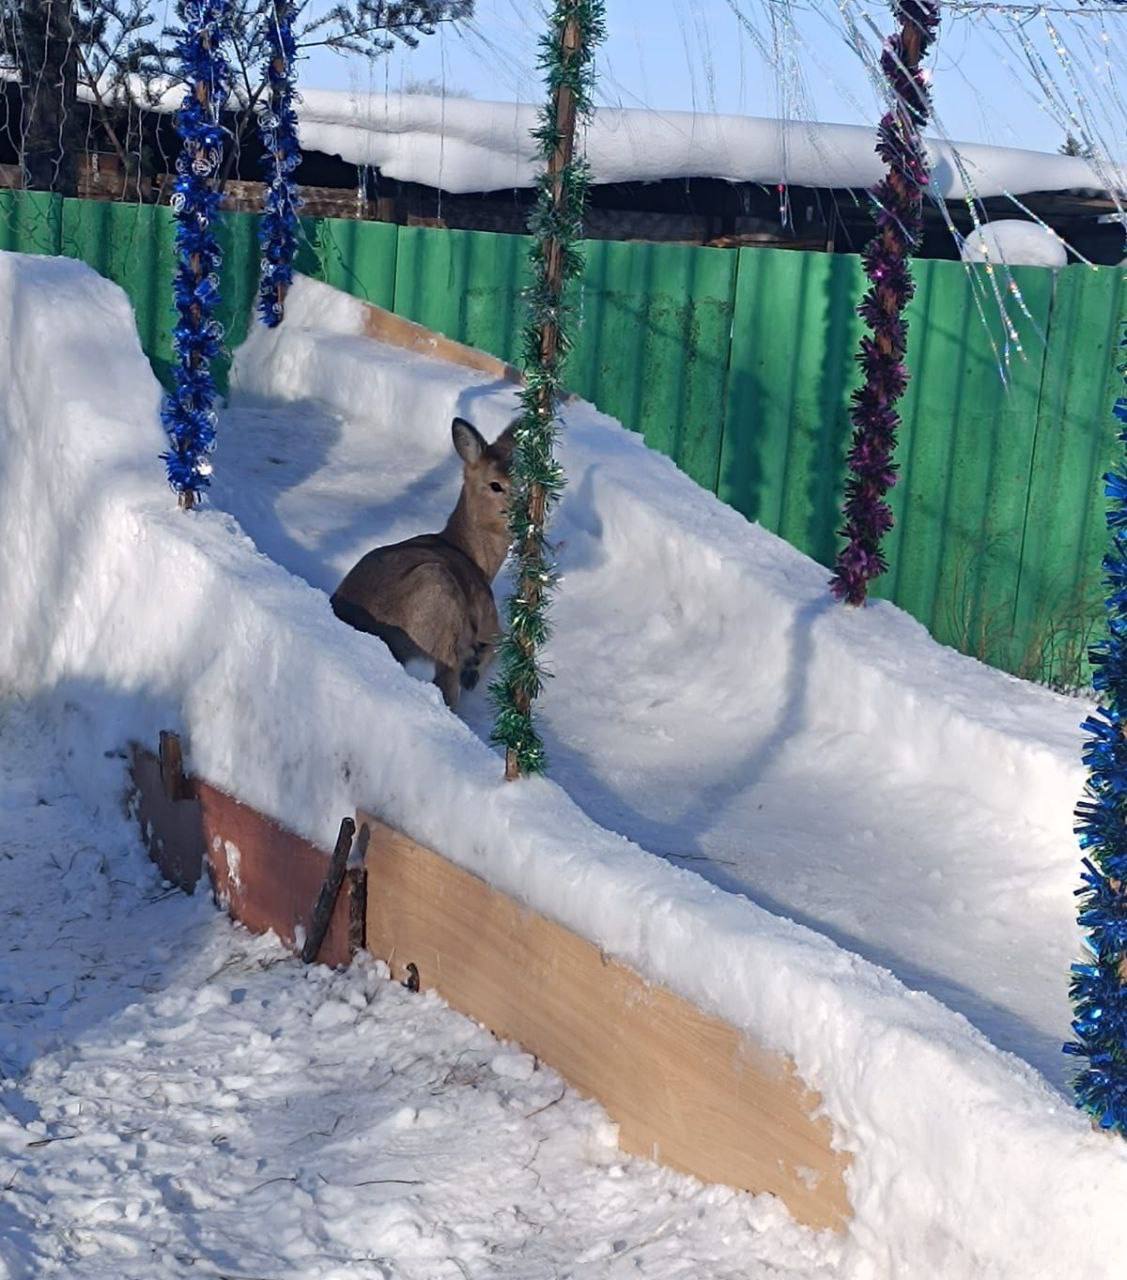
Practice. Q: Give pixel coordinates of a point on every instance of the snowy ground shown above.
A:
(178, 1098)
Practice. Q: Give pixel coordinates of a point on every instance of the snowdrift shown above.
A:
(127, 616)
(462, 145)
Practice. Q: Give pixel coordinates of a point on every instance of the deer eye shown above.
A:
(497, 488)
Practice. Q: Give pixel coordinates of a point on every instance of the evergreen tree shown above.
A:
(39, 37)
(116, 53)
(358, 28)
(1072, 146)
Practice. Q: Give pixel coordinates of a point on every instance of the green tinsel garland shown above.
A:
(567, 59)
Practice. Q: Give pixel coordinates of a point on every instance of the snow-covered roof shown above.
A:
(464, 145)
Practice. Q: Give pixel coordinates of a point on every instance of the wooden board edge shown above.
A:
(262, 874)
(817, 1198)
(168, 815)
(397, 331)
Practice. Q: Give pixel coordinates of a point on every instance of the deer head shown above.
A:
(479, 524)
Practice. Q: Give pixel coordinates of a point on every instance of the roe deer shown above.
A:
(430, 597)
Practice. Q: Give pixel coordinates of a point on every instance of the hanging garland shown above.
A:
(1099, 985)
(277, 127)
(188, 412)
(567, 59)
(899, 215)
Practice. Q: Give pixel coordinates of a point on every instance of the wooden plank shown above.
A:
(261, 874)
(684, 1088)
(265, 876)
(171, 758)
(386, 326)
(171, 826)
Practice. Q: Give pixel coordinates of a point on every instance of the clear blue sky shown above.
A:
(695, 55)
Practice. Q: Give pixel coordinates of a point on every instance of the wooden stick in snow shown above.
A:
(326, 899)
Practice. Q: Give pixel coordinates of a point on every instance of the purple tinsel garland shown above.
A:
(899, 215)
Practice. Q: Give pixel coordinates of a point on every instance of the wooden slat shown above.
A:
(171, 826)
(386, 326)
(265, 876)
(685, 1088)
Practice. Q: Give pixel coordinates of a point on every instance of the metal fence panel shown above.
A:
(652, 348)
(1059, 591)
(786, 426)
(465, 284)
(30, 221)
(356, 257)
(965, 454)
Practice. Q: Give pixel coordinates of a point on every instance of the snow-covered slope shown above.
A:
(965, 1162)
(711, 702)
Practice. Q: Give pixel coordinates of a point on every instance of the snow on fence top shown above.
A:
(462, 145)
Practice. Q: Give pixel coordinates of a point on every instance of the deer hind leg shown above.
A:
(480, 656)
(448, 683)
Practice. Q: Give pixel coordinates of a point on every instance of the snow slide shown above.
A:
(701, 676)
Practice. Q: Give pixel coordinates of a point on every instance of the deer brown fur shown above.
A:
(431, 596)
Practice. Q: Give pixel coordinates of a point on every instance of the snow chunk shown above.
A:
(1017, 243)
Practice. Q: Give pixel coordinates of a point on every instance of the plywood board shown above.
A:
(396, 331)
(171, 829)
(685, 1088)
(267, 877)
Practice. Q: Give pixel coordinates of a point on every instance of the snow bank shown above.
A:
(965, 1164)
(1016, 242)
(463, 145)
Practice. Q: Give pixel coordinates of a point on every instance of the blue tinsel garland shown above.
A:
(1099, 985)
(277, 126)
(188, 412)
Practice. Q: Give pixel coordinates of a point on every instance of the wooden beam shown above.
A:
(171, 825)
(171, 756)
(396, 331)
(330, 891)
(684, 1088)
(263, 875)
(266, 876)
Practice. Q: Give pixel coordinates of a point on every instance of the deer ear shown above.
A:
(502, 448)
(468, 442)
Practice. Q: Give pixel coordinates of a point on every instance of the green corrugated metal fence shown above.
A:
(739, 366)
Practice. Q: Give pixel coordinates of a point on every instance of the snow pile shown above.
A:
(462, 145)
(965, 1162)
(1017, 243)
